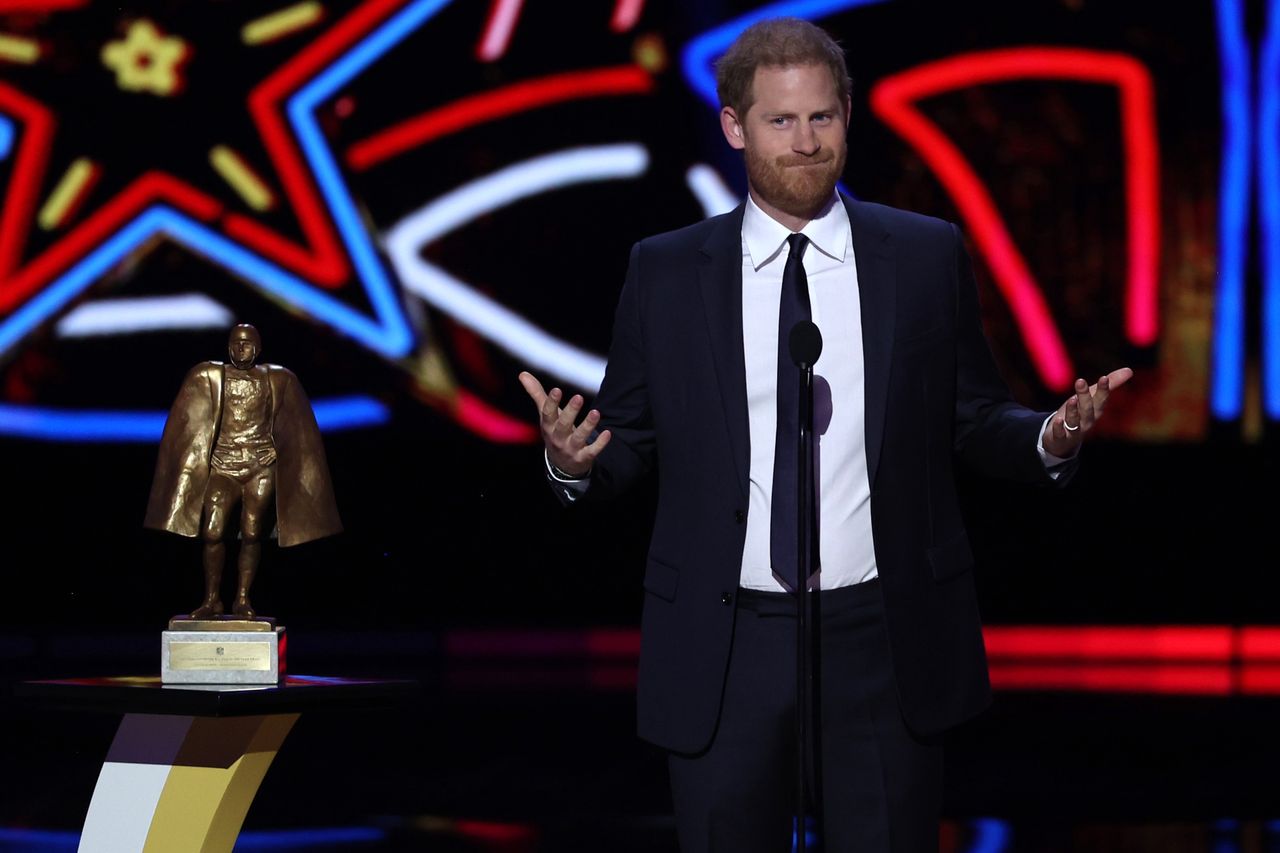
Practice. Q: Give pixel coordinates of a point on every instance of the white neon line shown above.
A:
(484, 195)
(709, 188)
(528, 178)
(144, 314)
(539, 349)
(501, 23)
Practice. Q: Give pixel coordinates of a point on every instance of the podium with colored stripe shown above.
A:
(187, 760)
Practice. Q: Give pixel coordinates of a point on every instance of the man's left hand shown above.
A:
(1079, 414)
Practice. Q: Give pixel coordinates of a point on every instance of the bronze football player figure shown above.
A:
(241, 434)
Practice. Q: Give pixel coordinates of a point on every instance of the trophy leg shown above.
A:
(175, 784)
(213, 558)
(248, 566)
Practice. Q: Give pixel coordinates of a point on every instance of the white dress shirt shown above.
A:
(846, 553)
(846, 548)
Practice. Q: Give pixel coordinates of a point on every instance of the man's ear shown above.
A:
(732, 128)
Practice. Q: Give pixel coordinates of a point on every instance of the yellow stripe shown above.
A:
(202, 809)
(18, 49)
(66, 193)
(281, 23)
(242, 179)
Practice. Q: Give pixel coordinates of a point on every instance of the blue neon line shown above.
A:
(292, 289)
(353, 412)
(161, 219)
(31, 422)
(1227, 382)
(15, 840)
(6, 137)
(990, 836)
(300, 109)
(41, 840)
(309, 839)
(92, 267)
(699, 54)
(1269, 187)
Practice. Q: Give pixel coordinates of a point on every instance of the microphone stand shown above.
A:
(806, 346)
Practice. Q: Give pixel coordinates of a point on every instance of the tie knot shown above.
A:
(798, 242)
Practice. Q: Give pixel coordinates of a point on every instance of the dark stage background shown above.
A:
(413, 201)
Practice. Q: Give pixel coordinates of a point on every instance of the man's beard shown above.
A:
(795, 189)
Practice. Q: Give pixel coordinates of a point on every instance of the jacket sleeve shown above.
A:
(623, 400)
(994, 434)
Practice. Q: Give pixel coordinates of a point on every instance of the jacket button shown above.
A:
(726, 598)
(739, 516)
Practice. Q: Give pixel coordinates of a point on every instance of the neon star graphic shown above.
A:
(291, 229)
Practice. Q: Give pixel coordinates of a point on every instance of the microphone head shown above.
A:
(806, 343)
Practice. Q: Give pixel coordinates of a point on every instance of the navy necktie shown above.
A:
(784, 525)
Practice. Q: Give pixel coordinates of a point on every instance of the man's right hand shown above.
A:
(566, 440)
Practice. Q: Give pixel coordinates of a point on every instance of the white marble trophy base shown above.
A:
(222, 657)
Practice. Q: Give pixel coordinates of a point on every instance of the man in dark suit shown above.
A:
(905, 389)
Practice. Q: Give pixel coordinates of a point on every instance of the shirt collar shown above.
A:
(765, 236)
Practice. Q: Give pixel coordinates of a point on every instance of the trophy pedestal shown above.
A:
(222, 650)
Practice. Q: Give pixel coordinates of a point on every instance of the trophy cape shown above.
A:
(305, 506)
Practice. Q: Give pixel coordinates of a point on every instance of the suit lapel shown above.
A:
(872, 251)
(720, 279)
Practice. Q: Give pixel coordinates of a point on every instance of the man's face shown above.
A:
(793, 138)
(243, 348)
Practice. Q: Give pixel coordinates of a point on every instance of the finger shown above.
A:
(551, 409)
(569, 415)
(1100, 393)
(592, 450)
(1071, 418)
(584, 430)
(533, 388)
(1118, 377)
(1084, 405)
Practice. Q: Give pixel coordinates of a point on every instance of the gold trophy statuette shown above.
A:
(240, 436)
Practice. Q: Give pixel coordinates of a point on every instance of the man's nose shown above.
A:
(806, 139)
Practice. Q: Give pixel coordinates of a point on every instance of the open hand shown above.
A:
(1079, 414)
(566, 440)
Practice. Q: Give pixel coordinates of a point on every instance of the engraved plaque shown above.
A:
(220, 656)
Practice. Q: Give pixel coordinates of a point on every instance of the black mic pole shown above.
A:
(806, 346)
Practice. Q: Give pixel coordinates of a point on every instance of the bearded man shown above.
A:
(700, 386)
(241, 435)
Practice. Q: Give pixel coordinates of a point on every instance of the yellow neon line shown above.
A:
(242, 179)
(66, 193)
(19, 49)
(281, 23)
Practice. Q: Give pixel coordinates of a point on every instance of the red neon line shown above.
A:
(1109, 643)
(325, 263)
(24, 185)
(147, 188)
(497, 30)
(477, 416)
(1194, 680)
(488, 106)
(1260, 680)
(625, 15)
(894, 100)
(7, 6)
(613, 643)
(1260, 643)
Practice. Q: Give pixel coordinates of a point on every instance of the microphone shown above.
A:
(805, 343)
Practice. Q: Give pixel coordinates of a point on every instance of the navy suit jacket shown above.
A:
(674, 395)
